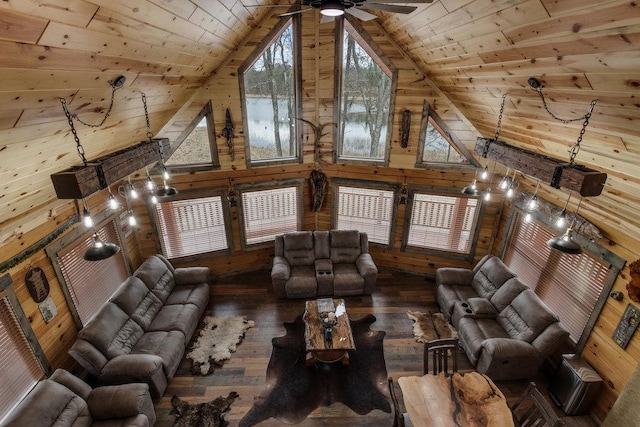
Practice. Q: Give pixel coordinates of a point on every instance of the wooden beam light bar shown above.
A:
(557, 173)
(78, 182)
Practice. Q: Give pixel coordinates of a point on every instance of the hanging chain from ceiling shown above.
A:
(146, 116)
(576, 147)
(79, 146)
(115, 85)
(504, 97)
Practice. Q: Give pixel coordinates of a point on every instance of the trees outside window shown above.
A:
(269, 92)
(437, 143)
(365, 100)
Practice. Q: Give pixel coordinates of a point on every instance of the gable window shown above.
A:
(571, 285)
(89, 284)
(442, 222)
(271, 100)
(196, 147)
(367, 209)
(192, 226)
(365, 103)
(20, 368)
(436, 143)
(270, 211)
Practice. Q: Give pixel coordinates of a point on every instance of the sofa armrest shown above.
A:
(191, 275)
(136, 368)
(508, 348)
(121, 401)
(550, 339)
(71, 382)
(366, 266)
(88, 356)
(454, 276)
(281, 268)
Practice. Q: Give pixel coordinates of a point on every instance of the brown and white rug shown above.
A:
(208, 414)
(218, 339)
(430, 326)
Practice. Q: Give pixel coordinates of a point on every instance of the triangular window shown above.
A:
(196, 145)
(437, 143)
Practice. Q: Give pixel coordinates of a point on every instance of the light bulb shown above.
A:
(165, 173)
(533, 203)
(86, 218)
(150, 184)
(132, 192)
(504, 183)
(473, 185)
(132, 220)
(487, 195)
(510, 192)
(485, 173)
(528, 217)
(114, 204)
(154, 199)
(562, 219)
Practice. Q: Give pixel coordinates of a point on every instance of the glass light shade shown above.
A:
(562, 219)
(485, 173)
(154, 199)
(533, 202)
(487, 195)
(132, 219)
(114, 204)
(100, 250)
(165, 173)
(528, 217)
(504, 183)
(150, 185)
(510, 192)
(86, 218)
(132, 192)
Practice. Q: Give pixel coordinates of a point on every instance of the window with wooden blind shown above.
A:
(569, 284)
(20, 369)
(269, 212)
(442, 222)
(191, 226)
(368, 210)
(91, 283)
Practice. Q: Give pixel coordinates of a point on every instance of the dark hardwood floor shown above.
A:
(251, 295)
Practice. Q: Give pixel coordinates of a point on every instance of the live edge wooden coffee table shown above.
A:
(332, 348)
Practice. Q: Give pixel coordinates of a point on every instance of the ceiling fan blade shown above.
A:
(267, 5)
(295, 12)
(360, 14)
(394, 8)
(365, 4)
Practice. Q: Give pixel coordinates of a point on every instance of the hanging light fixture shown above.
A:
(565, 243)
(332, 8)
(532, 204)
(472, 189)
(86, 215)
(485, 173)
(100, 250)
(112, 201)
(561, 219)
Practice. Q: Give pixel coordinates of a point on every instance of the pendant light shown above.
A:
(472, 190)
(565, 243)
(100, 250)
(561, 219)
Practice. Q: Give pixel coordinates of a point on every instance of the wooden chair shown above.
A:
(532, 409)
(400, 419)
(438, 351)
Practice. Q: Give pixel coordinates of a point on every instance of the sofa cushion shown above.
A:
(135, 299)
(302, 283)
(347, 280)
(50, 404)
(157, 276)
(507, 293)
(168, 345)
(493, 274)
(472, 332)
(298, 248)
(526, 317)
(197, 294)
(112, 331)
(178, 317)
(322, 247)
(345, 246)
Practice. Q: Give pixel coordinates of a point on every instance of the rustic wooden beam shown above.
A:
(81, 181)
(557, 173)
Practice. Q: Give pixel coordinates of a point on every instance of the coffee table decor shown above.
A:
(217, 340)
(294, 388)
(327, 332)
(430, 326)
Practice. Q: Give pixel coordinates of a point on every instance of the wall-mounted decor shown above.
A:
(405, 129)
(227, 132)
(627, 326)
(48, 309)
(37, 284)
(633, 287)
(318, 182)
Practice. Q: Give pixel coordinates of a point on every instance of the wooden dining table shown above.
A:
(457, 400)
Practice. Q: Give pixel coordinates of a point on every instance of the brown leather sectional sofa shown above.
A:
(505, 329)
(141, 333)
(315, 263)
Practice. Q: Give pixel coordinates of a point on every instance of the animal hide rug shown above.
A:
(208, 414)
(430, 326)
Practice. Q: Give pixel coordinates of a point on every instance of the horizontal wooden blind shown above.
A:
(569, 284)
(268, 213)
(442, 222)
(192, 226)
(19, 367)
(91, 283)
(367, 210)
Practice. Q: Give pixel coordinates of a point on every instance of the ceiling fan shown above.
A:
(329, 9)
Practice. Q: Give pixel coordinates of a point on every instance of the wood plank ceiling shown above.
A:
(473, 50)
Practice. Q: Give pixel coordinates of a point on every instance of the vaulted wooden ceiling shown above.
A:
(474, 51)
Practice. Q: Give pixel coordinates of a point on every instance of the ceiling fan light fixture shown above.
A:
(332, 8)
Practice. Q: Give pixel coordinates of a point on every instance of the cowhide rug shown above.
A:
(293, 389)
(208, 414)
(430, 326)
(217, 340)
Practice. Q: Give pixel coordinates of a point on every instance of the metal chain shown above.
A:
(576, 147)
(565, 121)
(504, 97)
(146, 115)
(114, 87)
(79, 146)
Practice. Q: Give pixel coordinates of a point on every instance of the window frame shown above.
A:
(345, 23)
(207, 113)
(429, 116)
(367, 185)
(71, 238)
(221, 192)
(297, 90)
(412, 190)
(298, 183)
(595, 250)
